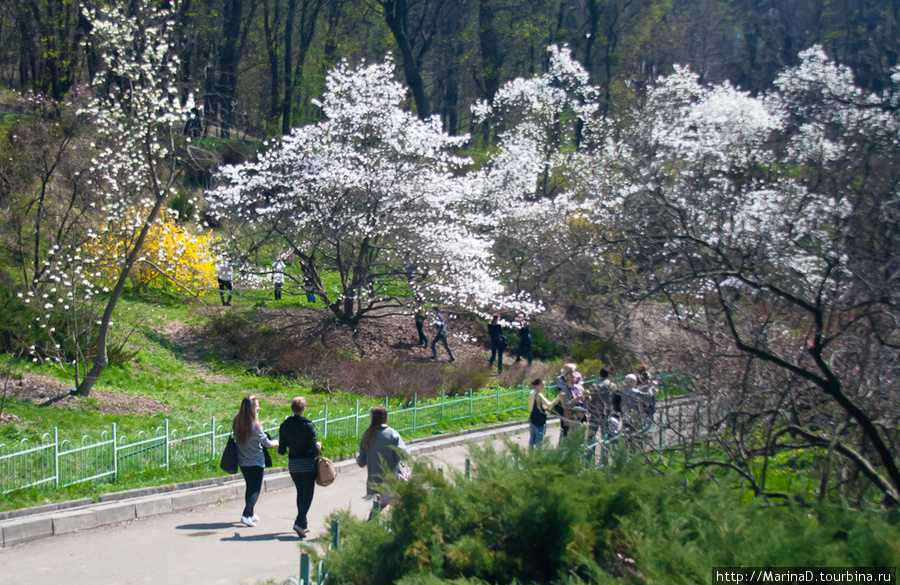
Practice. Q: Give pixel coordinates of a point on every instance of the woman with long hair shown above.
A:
(379, 452)
(251, 440)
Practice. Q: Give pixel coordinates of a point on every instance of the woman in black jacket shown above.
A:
(297, 435)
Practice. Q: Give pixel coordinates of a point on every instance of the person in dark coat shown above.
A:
(420, 324)
(524, 340)
(498, 345)
(297, 436)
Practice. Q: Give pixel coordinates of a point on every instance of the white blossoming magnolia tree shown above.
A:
(139, 113)
(371, 193)
(766, 222)
(548, 122)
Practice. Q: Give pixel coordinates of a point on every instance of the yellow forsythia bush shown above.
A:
(170, 253)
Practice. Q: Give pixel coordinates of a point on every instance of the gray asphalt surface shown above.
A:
(206, 544)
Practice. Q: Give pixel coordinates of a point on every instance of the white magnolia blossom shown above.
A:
(364, 192)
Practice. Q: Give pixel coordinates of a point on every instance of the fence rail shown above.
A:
(55, 463)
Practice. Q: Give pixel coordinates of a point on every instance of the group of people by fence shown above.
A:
(381, 450)
(603, 407)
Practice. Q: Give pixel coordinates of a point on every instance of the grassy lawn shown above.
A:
(187, 390)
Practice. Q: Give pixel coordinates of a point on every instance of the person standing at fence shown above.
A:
(297, 436)
(498, 342)
(380, 452)
(440, 329)
(251, 440)
(538, 407)
(571, 391)
(599, 404)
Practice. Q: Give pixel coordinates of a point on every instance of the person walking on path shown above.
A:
(538, 407)
(297, 436)
(440, 328)
(380, 453)
(251, 440)
(498, 342)
(524, 348)
(278, 277)
(420, 324)
(224, 275)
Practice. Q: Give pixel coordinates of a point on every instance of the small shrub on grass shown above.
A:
(542, 348)
(591, 347)
(464, 377)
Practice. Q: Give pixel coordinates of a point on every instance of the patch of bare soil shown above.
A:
(45, 392)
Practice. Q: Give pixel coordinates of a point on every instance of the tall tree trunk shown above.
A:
(489, 42)
(287, 104)
(396, 13)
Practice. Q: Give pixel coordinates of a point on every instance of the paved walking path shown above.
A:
(192, 536)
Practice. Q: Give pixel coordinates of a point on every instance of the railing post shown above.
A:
(213, 438)
(56, 454)
(471, 402)
(115, 452)
(356, 420)
(415, 408)
(304, 568)
(335, 534)
(498, 399)
(443, 394)
(325, 424)
(167, 443)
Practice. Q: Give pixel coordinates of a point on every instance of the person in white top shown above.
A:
(224, 274)
(278, 277)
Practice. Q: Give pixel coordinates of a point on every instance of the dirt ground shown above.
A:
(387, 338)
(47, 392)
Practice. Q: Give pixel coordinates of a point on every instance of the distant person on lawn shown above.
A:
(297, 436)
(225, 274)
(420, 318)
(251, 440)
(278, 277)
(498, 342)
(440, 328)
(524, 340)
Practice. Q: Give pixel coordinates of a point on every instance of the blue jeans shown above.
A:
(536, 435)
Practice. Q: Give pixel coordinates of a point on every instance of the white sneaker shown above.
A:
(247, 521)
(255, 518)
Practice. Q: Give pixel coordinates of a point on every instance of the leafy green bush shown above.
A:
(590, 347)
(542, 348)
(539, 517)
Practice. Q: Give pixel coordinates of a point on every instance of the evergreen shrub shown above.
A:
(541, 517)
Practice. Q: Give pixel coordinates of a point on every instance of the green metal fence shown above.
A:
(51, 462)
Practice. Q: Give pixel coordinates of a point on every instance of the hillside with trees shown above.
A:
(724, 173)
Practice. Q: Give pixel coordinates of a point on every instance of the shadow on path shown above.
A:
(280, 536)
(211, 526)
